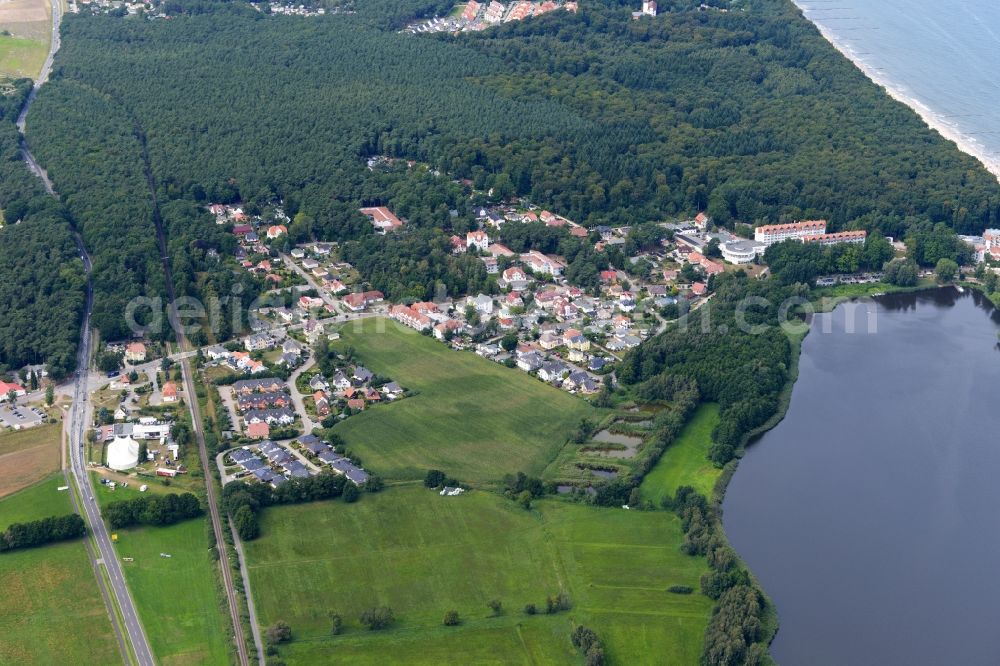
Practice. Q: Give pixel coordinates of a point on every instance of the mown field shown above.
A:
(177, 597)
(23, 50)
(472, 418)
(51, 610)
(21, 57)
(28, 456)
(684, 462)
(423, 555)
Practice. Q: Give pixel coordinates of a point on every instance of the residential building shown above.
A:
(477, 239)
(382, 219)
(7, 387)
(541, 263)
(838, 237)
(710, 267)
(471, 11)
(169, 392)
(410, 317)
(135, 352)
(258, 342)
(442, 330)
(776, 233)
(360, 300)
(494, 12)
(514, 278)
(259, 430)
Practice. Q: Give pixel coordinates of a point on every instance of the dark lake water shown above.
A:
(870, 514)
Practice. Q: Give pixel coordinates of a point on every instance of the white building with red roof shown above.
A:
(382, 219)
(776, 233)
(541, 263)
(7, 387)
(838, 237)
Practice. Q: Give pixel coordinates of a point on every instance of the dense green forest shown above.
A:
(41, 277)
(748, 114)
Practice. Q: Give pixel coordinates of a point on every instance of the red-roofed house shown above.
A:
(410, 317)
(276, 230)
(500, 250)
(259, 430)
(471, 11)
(322, 404)
(135, 352)
(7, 387)
(442, 330)
(710, 267)
(169, 392)
(382, 219)
(361, 300)
(540, 263)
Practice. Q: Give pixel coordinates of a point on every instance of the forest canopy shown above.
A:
(749, 115)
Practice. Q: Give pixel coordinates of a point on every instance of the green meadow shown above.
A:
(20, 56)
(177, 597)
(684, 463)
(470, 417)
(51, 610)
(422, 555)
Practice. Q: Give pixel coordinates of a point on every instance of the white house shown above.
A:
(478, 240)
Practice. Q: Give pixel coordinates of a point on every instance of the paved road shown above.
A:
(79, 416)
(300, 405)
(79, 419)
(323, 293)
(42, 78)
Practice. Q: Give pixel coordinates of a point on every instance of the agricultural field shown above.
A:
(422, 555)
(25, 42)
(28, 456)
(51, 610)
(684, 463)
(177, 597)
(472, 418)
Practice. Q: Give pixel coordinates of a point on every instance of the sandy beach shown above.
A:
(965, 143)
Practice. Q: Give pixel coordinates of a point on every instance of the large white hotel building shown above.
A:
(776, 233)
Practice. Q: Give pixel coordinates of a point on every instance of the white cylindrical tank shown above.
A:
(123, 453)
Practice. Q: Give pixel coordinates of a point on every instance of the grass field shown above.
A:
(23, 50)
(684, 462)
(28, 456)
(423, 555)
(472, 418)
(51, 610)
(21, 56)
(177, 596)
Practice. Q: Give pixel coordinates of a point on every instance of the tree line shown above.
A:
(158, 510)
(40, 532)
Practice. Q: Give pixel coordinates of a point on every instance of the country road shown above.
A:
(79, 415)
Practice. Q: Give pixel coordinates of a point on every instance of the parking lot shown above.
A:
(20, 416)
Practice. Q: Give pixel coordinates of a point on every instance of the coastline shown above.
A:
(966, 144)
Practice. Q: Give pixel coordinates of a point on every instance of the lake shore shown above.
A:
(966, 144)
